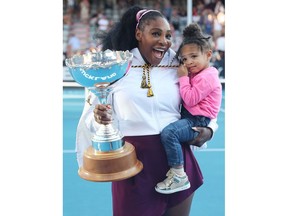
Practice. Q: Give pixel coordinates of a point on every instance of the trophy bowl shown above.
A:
(108, 158)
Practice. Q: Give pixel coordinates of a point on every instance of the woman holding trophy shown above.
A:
(145, 101)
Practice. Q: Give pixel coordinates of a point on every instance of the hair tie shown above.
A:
(141, 13)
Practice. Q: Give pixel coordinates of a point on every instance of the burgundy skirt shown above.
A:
(137, 196)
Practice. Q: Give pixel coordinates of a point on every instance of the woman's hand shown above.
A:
(103, 114)
(205, 134)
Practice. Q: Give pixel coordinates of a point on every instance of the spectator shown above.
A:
(220, 57)
(93, 20)
(175, 19)
(167, 10)
(71, 5)
(219, 7)
(84, 11)
(108, 8)
(74, 45)
(103, 22)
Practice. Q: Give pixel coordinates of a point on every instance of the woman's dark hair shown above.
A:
(122, 34)
(193, 34)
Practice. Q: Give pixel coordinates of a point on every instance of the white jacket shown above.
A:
(136, 114)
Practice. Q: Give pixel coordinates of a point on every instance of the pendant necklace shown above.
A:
(145, 83)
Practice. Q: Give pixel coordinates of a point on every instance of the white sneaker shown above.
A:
(173, 183)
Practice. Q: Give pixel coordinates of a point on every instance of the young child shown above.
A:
(201, 93)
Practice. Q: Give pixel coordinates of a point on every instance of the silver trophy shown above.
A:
(108, 158)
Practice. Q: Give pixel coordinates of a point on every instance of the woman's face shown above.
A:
(154, 40)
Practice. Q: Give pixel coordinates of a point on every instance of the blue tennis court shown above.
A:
(85, 198)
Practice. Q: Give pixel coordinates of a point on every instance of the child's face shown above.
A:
(194, 59)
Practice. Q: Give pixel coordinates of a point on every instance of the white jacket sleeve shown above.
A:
(214, 126)
(86, 127)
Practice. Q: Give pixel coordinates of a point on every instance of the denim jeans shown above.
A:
(180, 131)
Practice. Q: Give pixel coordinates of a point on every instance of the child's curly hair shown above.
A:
(193, 34)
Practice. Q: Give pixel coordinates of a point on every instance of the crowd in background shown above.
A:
(89, 16)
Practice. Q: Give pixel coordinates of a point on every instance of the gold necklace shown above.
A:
(146, 70)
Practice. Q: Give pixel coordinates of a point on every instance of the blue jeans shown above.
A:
(180, 131)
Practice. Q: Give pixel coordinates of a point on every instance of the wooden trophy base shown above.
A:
(110, 166)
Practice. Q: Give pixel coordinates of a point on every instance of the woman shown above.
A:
(145, 101)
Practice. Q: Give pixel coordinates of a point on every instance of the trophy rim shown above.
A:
(87, 63)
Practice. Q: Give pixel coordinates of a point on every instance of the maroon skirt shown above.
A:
(136, 195)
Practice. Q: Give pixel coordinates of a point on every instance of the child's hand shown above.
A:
(182, 70)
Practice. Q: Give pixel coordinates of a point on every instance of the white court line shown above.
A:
(65, 151)
(211, 150)
(72, 96)
(69, 151)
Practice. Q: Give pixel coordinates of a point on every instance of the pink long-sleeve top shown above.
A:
(202, 92)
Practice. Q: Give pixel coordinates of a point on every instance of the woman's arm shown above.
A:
(101, 115)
